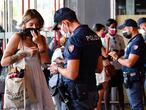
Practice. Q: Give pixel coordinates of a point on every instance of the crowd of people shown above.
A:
(84, 52)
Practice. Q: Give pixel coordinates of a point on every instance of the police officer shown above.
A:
(142, 25)
(132, 63)
(83, 58)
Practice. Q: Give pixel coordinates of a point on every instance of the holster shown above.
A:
(127, 82)
(63, 94)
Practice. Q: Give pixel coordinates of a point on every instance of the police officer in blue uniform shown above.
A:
(142, 25)
(133, 63)
(82, 59)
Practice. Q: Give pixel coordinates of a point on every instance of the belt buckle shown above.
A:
(125, 74)
(132, 74)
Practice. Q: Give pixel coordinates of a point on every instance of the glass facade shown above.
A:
(130, 9)
(126, 7)
(11, 11)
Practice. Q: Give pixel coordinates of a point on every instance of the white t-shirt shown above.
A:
(116, 43)
(57, 53)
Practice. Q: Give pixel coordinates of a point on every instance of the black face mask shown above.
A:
(27, 31)
(127, 35)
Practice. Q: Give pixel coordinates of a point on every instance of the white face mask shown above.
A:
(62, 32)
(142, 31)
(68, 34)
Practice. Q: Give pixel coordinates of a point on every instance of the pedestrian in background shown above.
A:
(114, 42)
(103, 78)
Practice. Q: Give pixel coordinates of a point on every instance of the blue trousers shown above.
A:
(135, 96)
(88, 104)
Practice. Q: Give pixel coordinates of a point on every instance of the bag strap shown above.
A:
(24, 95)
(24, 91)
(22, 46)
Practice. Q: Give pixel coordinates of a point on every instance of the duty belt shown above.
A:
(130, 74)
(134, 76)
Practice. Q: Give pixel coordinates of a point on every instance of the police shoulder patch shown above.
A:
(135, 47)
(71, 48)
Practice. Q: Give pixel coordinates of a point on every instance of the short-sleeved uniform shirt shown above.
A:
(83, 45)
(135, 46)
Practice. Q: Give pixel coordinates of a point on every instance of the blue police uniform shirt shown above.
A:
(135, 46)
(83, 45)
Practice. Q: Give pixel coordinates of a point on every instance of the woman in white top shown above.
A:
(34, 50)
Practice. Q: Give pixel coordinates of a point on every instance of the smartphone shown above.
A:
(28, 31)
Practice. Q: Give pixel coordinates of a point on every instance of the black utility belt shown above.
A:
(134, 76)
(131, 73)
(130, 78)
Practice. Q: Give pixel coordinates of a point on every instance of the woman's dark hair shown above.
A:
(97, 27)
(111, 21)
(30, 14)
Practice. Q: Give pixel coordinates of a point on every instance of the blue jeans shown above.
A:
(135, 96)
